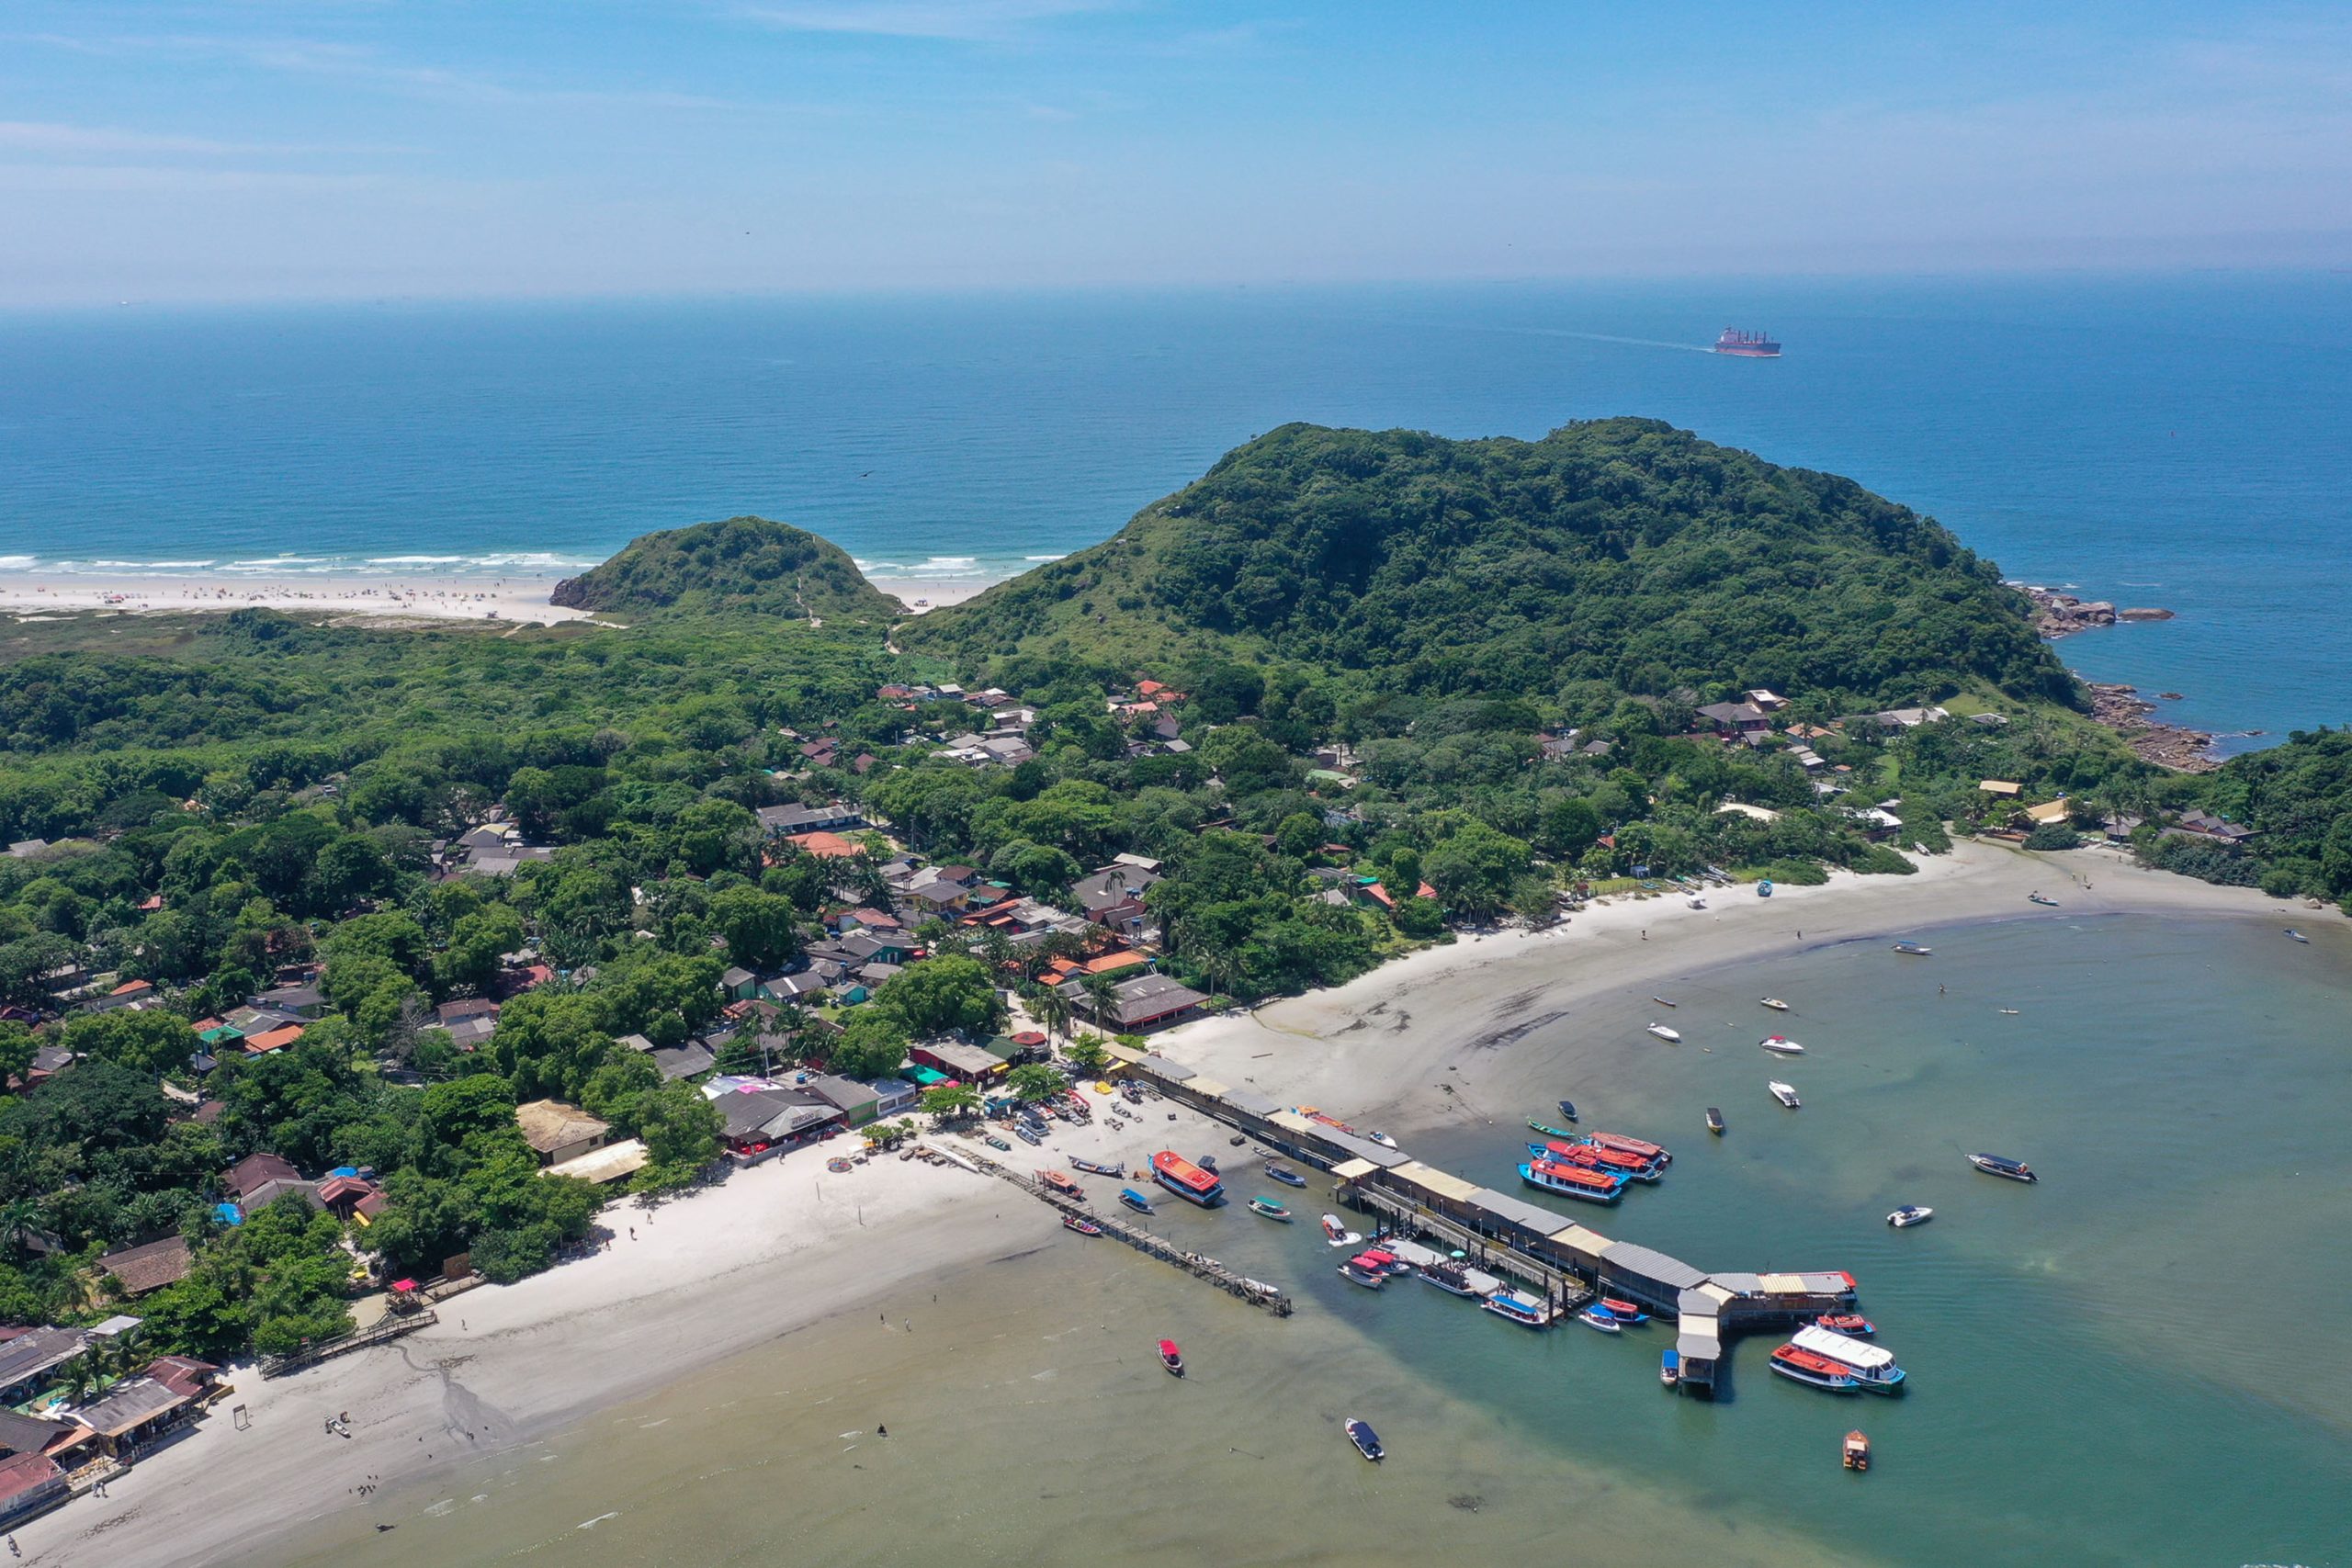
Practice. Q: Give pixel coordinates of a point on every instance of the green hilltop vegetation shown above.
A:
(1619, 553)
(1467, 674)
(743, 563)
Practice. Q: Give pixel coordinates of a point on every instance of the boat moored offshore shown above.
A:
(1780, 1045)
(1776, 1004)
(2001, 1165)
(1715, 1121)
(1673, 1037)
(1910, 1214)
(1366, 1441)
(1573, 1182)
(1785, 1093)
(1747, 345)
(1624, 1144)
(1913, 949)
(1284, 1174)
(1267, 1208)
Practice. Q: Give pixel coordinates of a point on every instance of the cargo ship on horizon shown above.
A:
(1748, 346)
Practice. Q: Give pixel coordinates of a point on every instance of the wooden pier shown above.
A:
(375, 1333)
(1564, 1290)
(1256, 1293)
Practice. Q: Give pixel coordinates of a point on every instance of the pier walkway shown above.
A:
(344, 1344)
(1255, 1291)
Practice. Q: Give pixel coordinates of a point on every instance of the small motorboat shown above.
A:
(1775, 1003)
(2294, 935)
(1623, 1310)
(1670, 1036)
(1371, 1276)
(1913, 949)
(1856, 1451)
(994, 1142)
(1171, 1358)
(1095, 1168)
(1056, 1183)
(1284, 1174)
(1134, 1199)
(1568, 1108)
(2008, 1012)
(1269, 1209)
(1847, 1323)
(2038, 898)
(1669, 1368)
(1451, 1278)
(1715, 1121)
(1811, 1367)
(1663, 1003)
(1519, 1309)
(1387, 1262)
(1782, 1045)
(1382, 1139)
(1910, 1214)
(1366, 1441)
(1337, 1233)
(1785, 1093)
(1082, 1226)
(1593, 1317)
(2001, 1165)
(1698, 903)
(1027, 1137)
(1549, 1132)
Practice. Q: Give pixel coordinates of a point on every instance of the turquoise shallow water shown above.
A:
(2139, 1362)
(2181, 441)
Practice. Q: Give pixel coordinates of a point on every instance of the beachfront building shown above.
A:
(972, 1063)
(1145, 1002)
(30, 1483)
(31, 1358)
(762, 1122)
(140, 1413)
(558, 1131)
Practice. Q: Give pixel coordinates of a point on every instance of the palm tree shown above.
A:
(1049, 1007)
(1099, 988)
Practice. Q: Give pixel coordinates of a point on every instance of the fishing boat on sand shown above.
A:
(1284, 1174)
(1056, 1183)
(1785, 1093)
(1094, 1167)
(2001, 1165)
(1171, 1358)
(1910, 1214)
(2297, 936)
(1715, 1121)
(1134, 1199)
(1189, 1181)
(1082, 1226)
(994, 1142)
(1782, 1045)
(1568, 1108)
(1775, 1003)
(2038, 898)
(1671, 1037)
(1366, 1441)
(1269, 1209)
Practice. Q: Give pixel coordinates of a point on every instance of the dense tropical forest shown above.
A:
(1348, 692)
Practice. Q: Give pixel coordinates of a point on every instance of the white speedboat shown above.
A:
(1782, 1045)
(1910, 1214)
(1382, 1139)
(1785, 1093)
(1776, 1004)
(1673, 1037)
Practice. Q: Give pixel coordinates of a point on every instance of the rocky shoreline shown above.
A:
(2125, 711)
(2057, 615)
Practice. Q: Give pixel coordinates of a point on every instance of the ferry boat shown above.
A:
(1673, 1037)
(1775, 1003)
(1519, 1309)
(1782, 1045)
(1624, 1144)
(1094, 1167)
(1451, 1278)
(1082, 1226)
(1715, 1121)
(1845, 1323)
(1811, 1367)
(1913, 949)
(1371, 1276)
(1593, 1317)
(1056, 1183)
(1856, 1451)
(1337, 1233)
(1573, 1182)
(1134, 1199)
(1785, 1093)
(1269, 1209)
(1171, 1358)
(1608, 1161)
(1366, 1441)
(2000, 1165)
(1747, 345)
(1284, 1174)
(1870, 1366)
(1910, 1214)
(1187, 1180)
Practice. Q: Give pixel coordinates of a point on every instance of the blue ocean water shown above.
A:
(2185, 441)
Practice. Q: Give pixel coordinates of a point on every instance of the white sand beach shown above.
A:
(787, 1244)
(920, 595)
(415, 599)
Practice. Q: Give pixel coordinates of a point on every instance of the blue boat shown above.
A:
(1568, 1108)
(1134, 1199)
(1284, 1174)
(1574, 1181)
(1669, 1368)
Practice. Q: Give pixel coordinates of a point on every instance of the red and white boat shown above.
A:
(1812, 1368)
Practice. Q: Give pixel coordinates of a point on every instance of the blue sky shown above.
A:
(247, 149)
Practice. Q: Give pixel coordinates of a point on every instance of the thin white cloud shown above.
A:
(971, 21)
(61, 139)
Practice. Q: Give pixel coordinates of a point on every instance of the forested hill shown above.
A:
(743, 563)
(1619, 551)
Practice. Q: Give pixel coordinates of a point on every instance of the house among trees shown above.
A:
(136, 1271)
(785, 821)
(1734, 720)
(1145, 1002)
(31, 1358)
(558, 1131)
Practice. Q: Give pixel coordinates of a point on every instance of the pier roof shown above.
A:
(1250, 1102)
(1360, 1148)
(1649, 1263)
(1354, 1170)
(1583, 1239)
(1529, 1217)
(1430, 1180)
